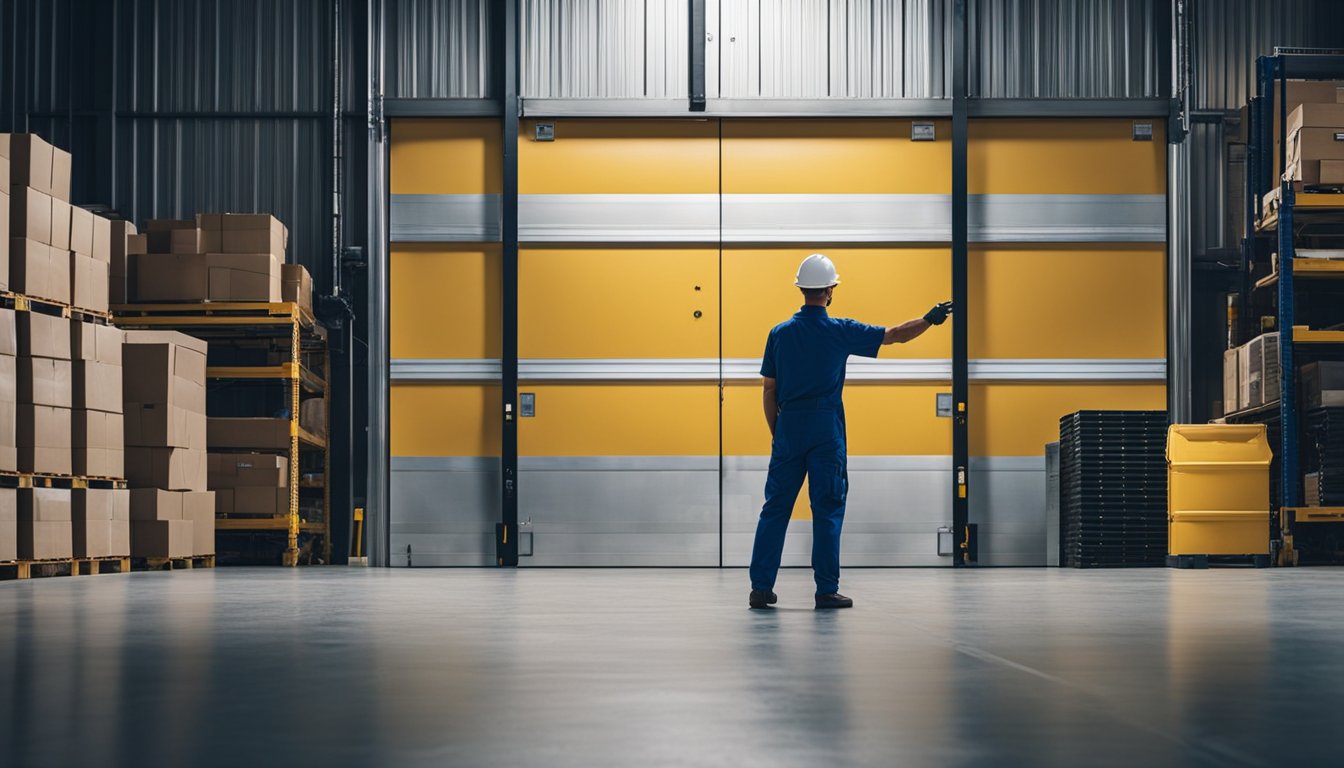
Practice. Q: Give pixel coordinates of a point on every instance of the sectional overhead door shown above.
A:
(1067, 274)
(618, 337)
(655, 256)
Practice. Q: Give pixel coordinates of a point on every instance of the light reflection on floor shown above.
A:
(651, 667)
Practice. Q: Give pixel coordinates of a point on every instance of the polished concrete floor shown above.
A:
(360, 667)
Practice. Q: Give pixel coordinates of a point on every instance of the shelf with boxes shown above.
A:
(65, 501)
(1292, 285)
(267, 370)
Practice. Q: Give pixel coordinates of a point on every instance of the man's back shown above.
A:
(806, 354)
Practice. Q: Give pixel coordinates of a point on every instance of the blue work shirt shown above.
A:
(806, 355)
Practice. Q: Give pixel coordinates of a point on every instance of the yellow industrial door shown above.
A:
(619, 340)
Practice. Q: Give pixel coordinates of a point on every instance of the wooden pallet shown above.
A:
(173, 563)
(24, 303)
(72, 566)
(43, 480)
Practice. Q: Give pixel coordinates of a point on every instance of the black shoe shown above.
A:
(761, 598)
(834, 600)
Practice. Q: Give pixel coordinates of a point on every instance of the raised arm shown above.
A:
(913, 329)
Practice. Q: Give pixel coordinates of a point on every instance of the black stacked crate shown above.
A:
(1325, 427)
(1113, 488)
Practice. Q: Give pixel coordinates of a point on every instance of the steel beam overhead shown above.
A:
(442, 108)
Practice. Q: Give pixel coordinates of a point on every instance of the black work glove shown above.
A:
(938, 315)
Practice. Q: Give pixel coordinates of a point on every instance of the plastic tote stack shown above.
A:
(172, 513)
(1218, 489)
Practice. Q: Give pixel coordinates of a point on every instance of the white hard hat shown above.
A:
(816, 271)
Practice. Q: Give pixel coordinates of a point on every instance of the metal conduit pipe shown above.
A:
(1179, 376)
(377, 497)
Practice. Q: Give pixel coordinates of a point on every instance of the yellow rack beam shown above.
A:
(1317, 514)
(311, 381)
(265, 524)
(1314, 269)
(1305, 335)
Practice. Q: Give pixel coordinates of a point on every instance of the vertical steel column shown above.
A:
(1179, 317)
(378, 496)
(961, 448)
(1290, 482)
(506, 532)
(697, 56)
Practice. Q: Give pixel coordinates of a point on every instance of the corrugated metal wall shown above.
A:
(193, 106)
(440, 49)
(608, 49)
(1227, 35)
(1024, 49)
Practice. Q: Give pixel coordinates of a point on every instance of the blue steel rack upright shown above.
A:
(1284, 65)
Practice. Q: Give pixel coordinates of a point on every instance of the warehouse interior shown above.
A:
(381, 382)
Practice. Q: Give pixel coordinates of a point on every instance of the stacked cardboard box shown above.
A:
(98, 436)
(44, 523)
(5, 177)
(1316, 144)
(45, 394)
(1251, 374)
(90, 260)
(38, 258)
(127, 243)
(298, 286)
(1263, 353)
(217, 257)
(250, 484)
(9, 395)
(101, 518)
(172, 513)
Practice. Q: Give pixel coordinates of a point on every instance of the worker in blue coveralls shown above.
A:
(804, 370)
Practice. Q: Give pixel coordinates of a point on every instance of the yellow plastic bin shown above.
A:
(1218, 489)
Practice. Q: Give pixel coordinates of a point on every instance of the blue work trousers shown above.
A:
(807, 443)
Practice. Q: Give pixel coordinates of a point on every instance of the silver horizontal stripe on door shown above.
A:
(734, 369)
(445, 218)
(782, 218)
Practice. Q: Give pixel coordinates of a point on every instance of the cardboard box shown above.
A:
(9, 414)
(259, 501)
(30, 214)
(42, 335)
(101, 522)
(234, 470)
(313, 415)
(89, 283)
(298, 285)
(155, 504)
(33, 269)
(97, 386)
(173, 469)
(99, 447)
(44, 524)
(9, 524)
(244, 277)
(199, 508)
(176, 241)
(9, 334)
(258, 434)
(157, 425)
(102, 239)
(253, 241)
(169, 374)
(124, 272)
(44, 437)
(1331, 172)
(136, 244)
(30, 161)
(4, 172)
(81, 231)
(177, 339)
(60, 225)
(119, 233)
(171, 277)
(161, 538)
(96, 343)
(43, 381)
(1231, 385)
(4, 240)
(1323, 385)
(60, 174)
